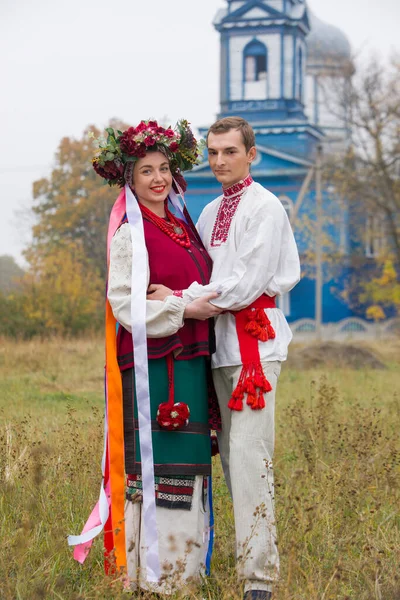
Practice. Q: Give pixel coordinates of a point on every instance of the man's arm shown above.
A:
(266, 259)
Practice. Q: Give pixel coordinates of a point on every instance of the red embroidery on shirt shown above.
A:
(227, 210)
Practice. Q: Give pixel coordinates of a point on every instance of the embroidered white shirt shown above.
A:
(162, 318)
(259, 256)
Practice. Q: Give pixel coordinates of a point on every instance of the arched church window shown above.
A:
(255, 62)
(287, 204)
(374, 235)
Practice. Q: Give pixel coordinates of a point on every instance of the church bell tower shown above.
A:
(263, 59)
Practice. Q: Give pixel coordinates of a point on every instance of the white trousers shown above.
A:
(246, 445)
(182, 543)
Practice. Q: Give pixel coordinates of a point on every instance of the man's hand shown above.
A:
(201, 308)
(156, 291)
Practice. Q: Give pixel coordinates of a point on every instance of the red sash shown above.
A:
(252, 326)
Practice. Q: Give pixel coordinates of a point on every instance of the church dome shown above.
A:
(326, 43)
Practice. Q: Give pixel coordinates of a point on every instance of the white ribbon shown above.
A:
(139, 337)
(176, 202)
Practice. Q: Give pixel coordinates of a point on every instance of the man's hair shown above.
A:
(225, 125)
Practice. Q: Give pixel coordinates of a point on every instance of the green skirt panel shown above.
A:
(183, 452)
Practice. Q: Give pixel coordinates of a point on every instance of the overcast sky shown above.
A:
(66, 64)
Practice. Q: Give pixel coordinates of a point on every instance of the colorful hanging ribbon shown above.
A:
(112, 493)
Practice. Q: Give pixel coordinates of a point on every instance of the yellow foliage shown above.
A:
(381, 291)
(389, 274)
(376, 313)
(63, 293)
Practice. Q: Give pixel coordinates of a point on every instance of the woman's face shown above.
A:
(152, 181)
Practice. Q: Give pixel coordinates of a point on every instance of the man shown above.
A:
(248, 236)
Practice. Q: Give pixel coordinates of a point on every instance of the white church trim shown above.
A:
(284, 156)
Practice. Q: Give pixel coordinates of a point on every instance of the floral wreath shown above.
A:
(123, 148)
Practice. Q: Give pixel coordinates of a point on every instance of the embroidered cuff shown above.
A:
(178, 293)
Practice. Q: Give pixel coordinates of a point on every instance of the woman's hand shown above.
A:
(156, 291)
(201, 308)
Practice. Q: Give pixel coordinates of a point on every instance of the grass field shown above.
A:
(336, 469)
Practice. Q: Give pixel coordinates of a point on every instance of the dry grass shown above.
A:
(336, 467)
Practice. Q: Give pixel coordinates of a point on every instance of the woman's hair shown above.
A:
(225, 125)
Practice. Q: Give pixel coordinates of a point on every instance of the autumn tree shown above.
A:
(10, 274)
(367, 176)
(72, 205)
(63, 289)
(62, 295)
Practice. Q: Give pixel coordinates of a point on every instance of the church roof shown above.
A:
(326, 42)
(257, 12)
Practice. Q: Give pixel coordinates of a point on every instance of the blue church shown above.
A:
(275, 60)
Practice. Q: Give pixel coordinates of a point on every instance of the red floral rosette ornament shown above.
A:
(171, 415)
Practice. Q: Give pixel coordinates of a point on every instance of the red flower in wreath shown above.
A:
(141, 127)
(141, 150)
(110, 170)
(127, 142)
(149, 141)
(169, 133)
(174, 147)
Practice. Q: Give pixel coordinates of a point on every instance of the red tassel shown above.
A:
(259, 325)
(252, 382)
(236, 401)
(249, 387)
(252, 401)
(270, 331)
(252, 327)
(263, 335)
(258, 379)
(261, 400)
(262, 317)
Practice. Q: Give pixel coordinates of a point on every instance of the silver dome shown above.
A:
(326, 43)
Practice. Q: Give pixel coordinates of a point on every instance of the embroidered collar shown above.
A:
(239, 187)
(227, 210)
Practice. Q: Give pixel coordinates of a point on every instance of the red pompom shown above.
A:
(173, 417)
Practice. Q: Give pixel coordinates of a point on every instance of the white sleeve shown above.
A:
(266, 261)
(162, 318)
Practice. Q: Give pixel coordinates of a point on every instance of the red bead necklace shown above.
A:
(170, 226)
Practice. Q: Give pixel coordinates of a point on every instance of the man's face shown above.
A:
(228, 158)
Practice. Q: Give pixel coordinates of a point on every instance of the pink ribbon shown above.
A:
(117, 212)
(94, 525)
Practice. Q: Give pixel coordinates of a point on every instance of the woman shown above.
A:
(146, 159)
